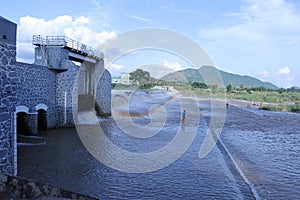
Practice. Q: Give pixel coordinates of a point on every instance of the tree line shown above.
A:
(143, 80)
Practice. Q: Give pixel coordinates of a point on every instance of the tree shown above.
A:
(199, 85)
(214, 88)
(242, 86)
(261, 88)
(140, 76)
(229, 87)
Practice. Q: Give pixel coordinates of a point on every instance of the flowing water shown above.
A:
(258, 156)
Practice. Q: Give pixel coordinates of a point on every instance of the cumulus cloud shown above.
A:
(175, 66)
(284, 70)
(162, 69)
(157, 70)
(264, 73)
(74, 28)
(116, 66)
(116, 69)
(263, 33)
(282, 77)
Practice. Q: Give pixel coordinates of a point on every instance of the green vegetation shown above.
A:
(287, 100)
(236, 81)
(140, 76)
(282, 107)
(141, 80)
(268, 96)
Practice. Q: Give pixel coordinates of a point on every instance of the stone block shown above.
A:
(4, 117)
(3, 109)
(3, 178)
(4, 60)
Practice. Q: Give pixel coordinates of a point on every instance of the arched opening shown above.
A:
(22, 125)
(26, 122)
(42, 120)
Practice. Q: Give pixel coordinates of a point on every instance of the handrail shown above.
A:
(66, 42)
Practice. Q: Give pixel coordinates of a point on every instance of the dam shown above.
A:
(43, 95)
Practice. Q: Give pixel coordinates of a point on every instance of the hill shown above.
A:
(194, 75)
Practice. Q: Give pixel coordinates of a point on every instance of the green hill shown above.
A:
(194, 75)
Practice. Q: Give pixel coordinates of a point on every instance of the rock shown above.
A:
(4, 60)
(4, 117)
(2, 188)
(3, 109)
(55, 192)
(3, 153)
(3, 178)
(36, 192)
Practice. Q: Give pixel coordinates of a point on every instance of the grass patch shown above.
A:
(266, 96)
(282, 107)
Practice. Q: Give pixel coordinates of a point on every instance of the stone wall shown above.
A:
(49, 82)
(103, 94)
(51, 56)
(64, 93)
(37, 85)
(8, 96)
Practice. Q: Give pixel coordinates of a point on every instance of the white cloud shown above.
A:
(160, 70)
(75, 28)
(264, 33)
(282, 77)
(116, 69)
(264, 73)
(139, 18)
(116, 66)
(175, 66)
(156, 70)
(284, 70)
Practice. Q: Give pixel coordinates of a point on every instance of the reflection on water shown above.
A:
(64, 162)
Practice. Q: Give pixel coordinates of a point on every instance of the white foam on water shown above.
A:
(87, 118)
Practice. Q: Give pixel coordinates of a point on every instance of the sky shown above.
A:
(260, 38)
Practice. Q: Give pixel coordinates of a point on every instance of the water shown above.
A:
(266, 147)
(263, 145)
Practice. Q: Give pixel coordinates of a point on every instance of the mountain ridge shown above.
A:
(194, 75)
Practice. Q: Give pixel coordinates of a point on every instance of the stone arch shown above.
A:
(24, 109)
(25, 121)
(42, 116)
(21, 115)
(41, 106)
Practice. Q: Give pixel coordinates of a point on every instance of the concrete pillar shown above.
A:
(103, 94)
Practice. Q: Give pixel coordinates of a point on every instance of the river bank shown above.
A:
(266, 100)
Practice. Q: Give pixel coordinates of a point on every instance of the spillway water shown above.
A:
(261, 146)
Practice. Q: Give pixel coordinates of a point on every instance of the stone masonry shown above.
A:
(46, 85)
(8, 93)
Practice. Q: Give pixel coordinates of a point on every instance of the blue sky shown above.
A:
(260, 38)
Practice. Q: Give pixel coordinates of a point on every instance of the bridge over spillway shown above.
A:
(77, 51)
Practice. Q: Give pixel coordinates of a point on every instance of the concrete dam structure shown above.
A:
(45, 94)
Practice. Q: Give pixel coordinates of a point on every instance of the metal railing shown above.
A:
(66, 42)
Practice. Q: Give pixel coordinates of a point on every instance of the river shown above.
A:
(258, 157)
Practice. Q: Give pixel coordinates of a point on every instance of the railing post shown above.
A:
(66, 42)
